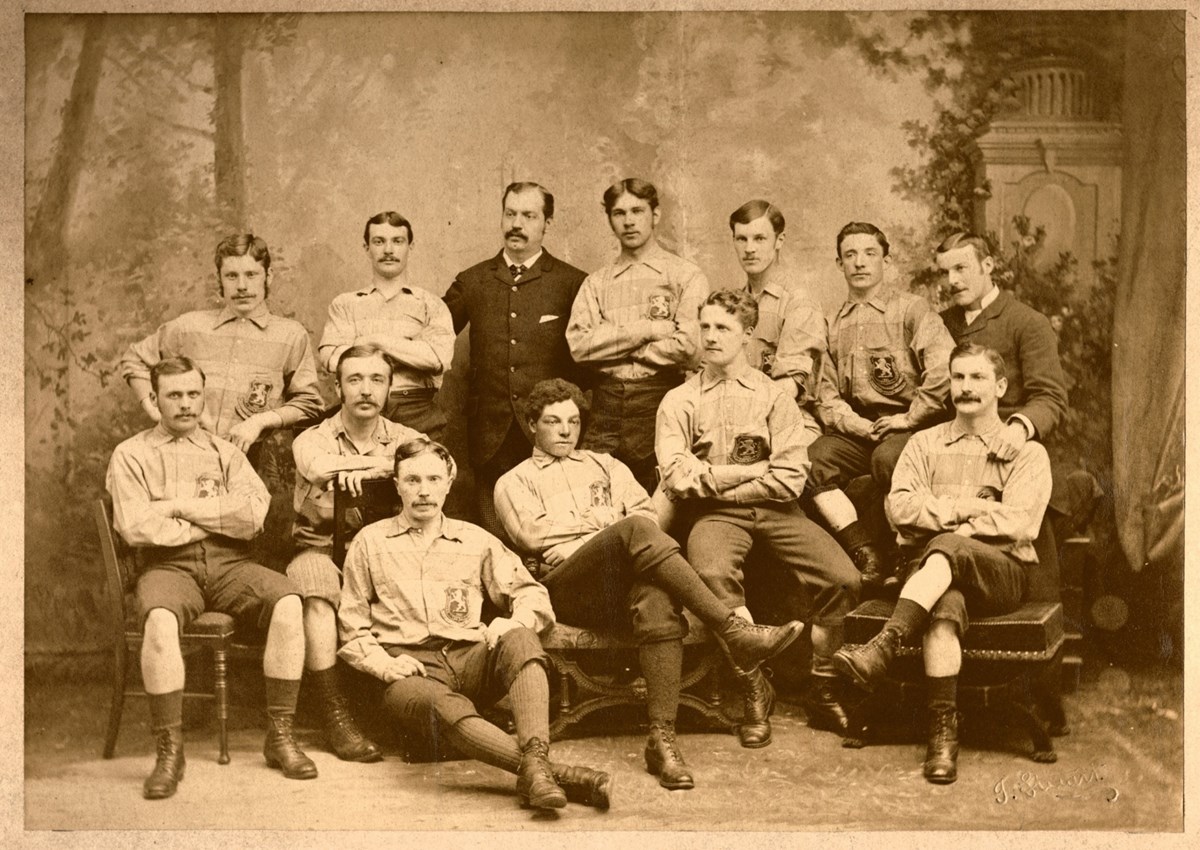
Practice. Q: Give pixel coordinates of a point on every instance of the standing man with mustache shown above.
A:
(517, 304)
(1035, 399)
(411, 325)
(973, 517)
(790, 334)
(351, 446)
(259, 366)
(731, 447)
(634, 324)
(883, 377)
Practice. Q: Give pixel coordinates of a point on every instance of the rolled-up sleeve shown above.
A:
(512, 588)
(360, 648)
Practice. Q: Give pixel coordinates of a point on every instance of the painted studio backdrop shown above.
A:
(148, 138)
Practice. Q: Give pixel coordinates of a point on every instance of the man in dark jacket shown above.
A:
(517, 303)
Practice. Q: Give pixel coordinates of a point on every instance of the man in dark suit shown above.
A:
(1036, 398)
(517, 303)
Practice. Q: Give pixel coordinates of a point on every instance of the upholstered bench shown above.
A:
(1011, 664)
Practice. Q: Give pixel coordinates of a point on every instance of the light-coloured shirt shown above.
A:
(402, 586)
(889, 354)
(790, 334)
(547, 500)
(528, 264)
(707, 425)
(321, 452)
(945, 475)
(992, 295)
(263, 362)
(611, 326)
(411, 314)
(168, 491)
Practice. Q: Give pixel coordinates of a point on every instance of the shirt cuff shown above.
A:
(1030, 431)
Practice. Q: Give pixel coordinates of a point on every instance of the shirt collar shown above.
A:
(653, 259)
(261, 316)
(528, 264)
(746, 379)
(543, 459)
(374, 287)
(160, 436)
(451, 529)
(381, 434)
(972, 315)
(955, 432)
(882, 297)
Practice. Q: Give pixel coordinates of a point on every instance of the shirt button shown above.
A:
(514, 395)
(512, 315)
(512, 368)
(514, 289)
(512, 342)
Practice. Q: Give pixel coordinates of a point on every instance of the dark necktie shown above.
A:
(516, 271)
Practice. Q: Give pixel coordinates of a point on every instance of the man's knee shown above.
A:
(288, 614)
(518, 647)
(316, 576)
(160, 631)
(885, 457)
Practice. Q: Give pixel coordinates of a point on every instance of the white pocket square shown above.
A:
(545, 319)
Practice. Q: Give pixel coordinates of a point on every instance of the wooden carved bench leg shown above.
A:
(1043, 747)
(222, 699)
(1047, 695)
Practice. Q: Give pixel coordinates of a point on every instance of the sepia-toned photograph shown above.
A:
(613, 420)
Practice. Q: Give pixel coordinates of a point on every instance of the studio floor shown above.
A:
(1120, 768)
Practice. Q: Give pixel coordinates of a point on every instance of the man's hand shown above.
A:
(496, 628)
(894, 423)
(245, 433)
(661, 328)
(856, 426)
(965, 530)
(401, 667)
(351, 480)
(151, 409)
(559, 552)
(1009, 441)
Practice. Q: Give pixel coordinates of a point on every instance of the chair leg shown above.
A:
(1047, 695)
(222, 700)
(117, 703)
(1043, 747)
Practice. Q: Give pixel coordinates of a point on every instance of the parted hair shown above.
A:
(754, 210)
(633, 185)
(552, 391)
(419, 446)
(522, 186)
(387, 217)
(240, 244)
(173, 366)
(363, 351)
(865, 227)
(957, 240)
(735, 302)
(971, 349)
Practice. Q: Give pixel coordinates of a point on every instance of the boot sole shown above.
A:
(681, 785)
(369, 758)
(756, 745)
(275, 764)
(941, 780)
(551, 802)
(147, 795)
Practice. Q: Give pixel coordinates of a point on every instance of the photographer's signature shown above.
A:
(1080, 783)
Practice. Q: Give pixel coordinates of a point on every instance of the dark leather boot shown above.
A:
(823, 705)
(758, 700)
(664, 760)
(873, 567)
(749, 644)
(865, 665)
(281, 752)
(341, 732)
(583, 785)
(941, 755)
(535, 781)
(168, 766)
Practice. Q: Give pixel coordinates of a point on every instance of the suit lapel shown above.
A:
(500, 270)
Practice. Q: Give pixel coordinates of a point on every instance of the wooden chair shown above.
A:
(379, 500)
(211, 630)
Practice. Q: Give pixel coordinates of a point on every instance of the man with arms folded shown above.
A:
(976, 517)
(731, 450)
(634, 322)
(586, 517)
(189, 502)
(259, 366)
(517, 304)
(351, 446)
(790, 334)
(412, 596)
(883, 376)
(410, 324)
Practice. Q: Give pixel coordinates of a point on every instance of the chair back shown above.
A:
(117, 570)
(379, 500)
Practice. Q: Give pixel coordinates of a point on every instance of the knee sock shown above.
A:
(530, 698)
(166, 710)
(662, 666)
(908, 618)
(853, 537)
(281, 696)
(942, 691)
(680, 579)
(475, 738)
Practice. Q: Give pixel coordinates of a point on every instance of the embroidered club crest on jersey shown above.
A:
(885, 375)
(749, 448)
(209, 485)
(456, 609)
(659, 306)
(601, 493)
(254, 400)
(768, 360)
